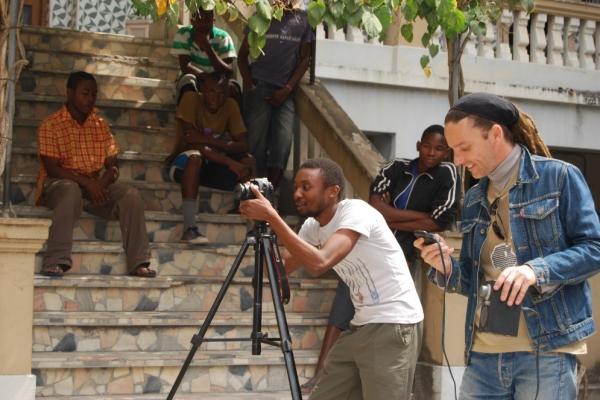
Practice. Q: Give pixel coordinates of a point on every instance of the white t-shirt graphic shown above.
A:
(375, 270)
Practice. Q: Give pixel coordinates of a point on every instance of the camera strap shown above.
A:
(284, 285)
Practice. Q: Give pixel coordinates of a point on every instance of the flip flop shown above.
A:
(54, 270)
(143, 271)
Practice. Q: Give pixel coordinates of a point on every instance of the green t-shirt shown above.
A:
(221, 42)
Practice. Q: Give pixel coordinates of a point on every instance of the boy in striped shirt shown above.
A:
(202, 49)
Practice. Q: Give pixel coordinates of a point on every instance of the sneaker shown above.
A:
(191, 235)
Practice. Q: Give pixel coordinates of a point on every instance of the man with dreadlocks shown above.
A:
(530, 227)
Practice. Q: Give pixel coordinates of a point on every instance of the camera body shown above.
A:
(242, 191)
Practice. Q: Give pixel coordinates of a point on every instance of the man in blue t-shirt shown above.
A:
(269, 82)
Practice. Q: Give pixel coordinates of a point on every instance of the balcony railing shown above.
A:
(556, 33)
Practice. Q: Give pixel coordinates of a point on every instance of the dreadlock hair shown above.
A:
(523, 132)
(330, 170)
(78, 76)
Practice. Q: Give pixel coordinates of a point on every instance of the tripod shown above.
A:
(265, 251)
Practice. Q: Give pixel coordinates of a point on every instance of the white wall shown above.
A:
(383, 88)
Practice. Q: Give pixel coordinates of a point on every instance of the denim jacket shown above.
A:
(555, 230)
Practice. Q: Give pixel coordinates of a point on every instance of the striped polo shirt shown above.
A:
(221, 42)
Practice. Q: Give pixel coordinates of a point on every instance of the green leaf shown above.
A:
(375, 3)
(434, 49)
(258, 24)
(425, 39)
(385, 16)
(316, 11)
(278, 12)
(371, 24)
(352, 6)
(410, 10)
(395, 4)
(424, 61)
(249, 2)
(255, 52)
(336, 8)
(207, 4)
(255, 40)
(221, 7)
(233, 12)
(354, 19)
(407, 32)
(264, 9)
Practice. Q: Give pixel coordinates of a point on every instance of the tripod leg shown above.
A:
(197, 339)
(257, 283)
(284, 334)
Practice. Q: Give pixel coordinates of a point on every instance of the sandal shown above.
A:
(56, 270)
(143, 271)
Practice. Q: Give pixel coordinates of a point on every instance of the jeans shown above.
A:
(270, 129)
(507, 376)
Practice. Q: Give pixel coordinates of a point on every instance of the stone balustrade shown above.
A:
(556, 33)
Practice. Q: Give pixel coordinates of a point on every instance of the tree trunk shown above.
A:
(456, 83)
(456, 89)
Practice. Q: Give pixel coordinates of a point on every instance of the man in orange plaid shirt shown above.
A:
(79, 171)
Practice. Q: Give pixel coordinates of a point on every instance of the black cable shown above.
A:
(446, 279)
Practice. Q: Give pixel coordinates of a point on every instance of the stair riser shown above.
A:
(109, 88)
(169, 262)
(154, 199)
(187, 297)
(103, 65)
(198, 379)
(88, 228)
(114, 115)
(150, 171)
(98, 44)
(161, 338)
(142, 141)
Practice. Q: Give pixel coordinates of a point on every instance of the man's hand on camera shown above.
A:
(431, 254)
(516, 281)
(259, 209)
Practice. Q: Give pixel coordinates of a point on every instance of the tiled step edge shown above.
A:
(170, 319)
(87, 360)
(163, 282)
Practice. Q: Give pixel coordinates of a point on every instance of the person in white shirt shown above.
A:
(376, 358)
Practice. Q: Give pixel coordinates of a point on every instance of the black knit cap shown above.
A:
(490, 107)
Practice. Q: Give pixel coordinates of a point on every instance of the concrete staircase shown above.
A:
(101, 334)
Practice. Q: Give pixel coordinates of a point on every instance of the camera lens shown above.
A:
(242, 191)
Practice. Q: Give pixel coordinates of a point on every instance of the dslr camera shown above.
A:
(242, 191)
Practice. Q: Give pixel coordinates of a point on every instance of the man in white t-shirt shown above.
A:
(376, 358)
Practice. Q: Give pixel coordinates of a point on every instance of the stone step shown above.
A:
(175, 293)
(171, 259)
(117, 112)
(147, 167)
(53, 83)
(166, 68)
(127, 373)
(255, 395)
(157, 196)
(163, 331)
(51, 39)
(161, 226)
(140, 139)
